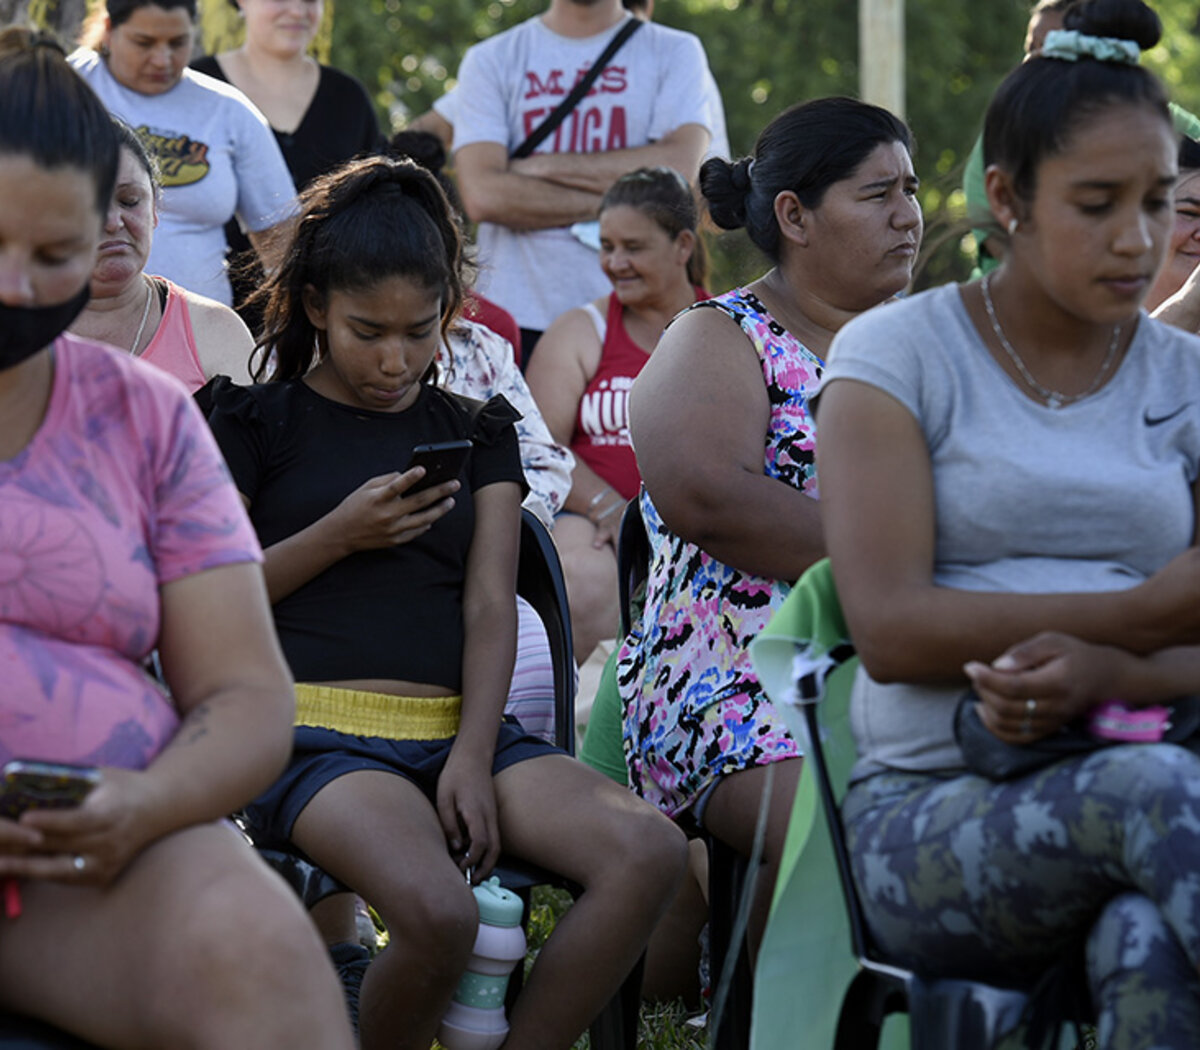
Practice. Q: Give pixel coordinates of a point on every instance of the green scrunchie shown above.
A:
(1070, 45)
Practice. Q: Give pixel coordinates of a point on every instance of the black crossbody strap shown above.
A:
(559, 114)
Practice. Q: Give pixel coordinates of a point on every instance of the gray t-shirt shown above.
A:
(510, 83)
(217, 158)
(1095, 496)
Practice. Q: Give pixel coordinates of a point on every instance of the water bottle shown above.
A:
(475, 1020)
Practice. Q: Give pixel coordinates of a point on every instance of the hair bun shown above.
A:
(421, 146)
(725, 187)
(1121, 19)
(739, 175)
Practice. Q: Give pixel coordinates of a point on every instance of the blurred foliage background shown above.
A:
(765, 54)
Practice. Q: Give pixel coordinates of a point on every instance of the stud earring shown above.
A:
(1012, 226)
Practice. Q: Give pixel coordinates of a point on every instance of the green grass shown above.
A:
(661, 1026)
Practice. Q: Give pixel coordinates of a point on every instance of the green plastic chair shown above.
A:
(819, 981)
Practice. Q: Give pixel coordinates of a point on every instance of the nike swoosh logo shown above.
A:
(1153, 421)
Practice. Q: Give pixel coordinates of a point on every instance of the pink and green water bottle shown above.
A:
(475, 1020)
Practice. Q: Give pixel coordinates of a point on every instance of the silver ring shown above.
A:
(78, 863)
(1031, 706)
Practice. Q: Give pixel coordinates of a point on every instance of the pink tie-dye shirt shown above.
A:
(120, 491)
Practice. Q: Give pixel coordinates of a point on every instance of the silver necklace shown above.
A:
(1053, 398)
(145, 316)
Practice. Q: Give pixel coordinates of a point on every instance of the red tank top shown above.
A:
(601, 437)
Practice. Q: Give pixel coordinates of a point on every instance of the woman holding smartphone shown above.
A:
(397, 613)
(138, 918)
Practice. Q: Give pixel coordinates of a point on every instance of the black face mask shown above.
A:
(24, 330)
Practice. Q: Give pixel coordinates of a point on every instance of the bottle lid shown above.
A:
(498, 906)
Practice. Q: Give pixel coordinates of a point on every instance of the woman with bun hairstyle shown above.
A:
(1010, 480)
(138, 917)
(215, 152)
(720, 420)
(396, 610)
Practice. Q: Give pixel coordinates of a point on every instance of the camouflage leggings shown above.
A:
(991, 881)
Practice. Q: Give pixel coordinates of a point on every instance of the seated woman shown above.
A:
(720, 420)
(187, 335)
(1012, 457)
(396, 609)
(1183, 250)
(588, 359)
(139, 917)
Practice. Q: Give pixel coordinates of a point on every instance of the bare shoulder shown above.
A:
(702, 342)
(223, 341)
(571, 339)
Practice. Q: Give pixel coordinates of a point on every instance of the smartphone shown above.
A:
(43, 785)
(443, 461)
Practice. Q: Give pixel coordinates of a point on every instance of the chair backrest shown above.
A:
(818, 640)
(633, 559)
(540, 582)
(809, 952)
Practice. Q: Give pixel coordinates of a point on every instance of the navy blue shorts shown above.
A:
(320, 756)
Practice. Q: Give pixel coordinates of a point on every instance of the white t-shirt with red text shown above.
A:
(509, 84)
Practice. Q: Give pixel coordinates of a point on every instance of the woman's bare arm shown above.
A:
(699, 416)
(877, 504)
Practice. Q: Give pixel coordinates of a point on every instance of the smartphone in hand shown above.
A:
(43, 785)
(443, 461)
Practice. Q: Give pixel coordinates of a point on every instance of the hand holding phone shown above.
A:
(443, 461)
(43, 785)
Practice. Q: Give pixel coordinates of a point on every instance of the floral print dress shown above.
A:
(693, 710)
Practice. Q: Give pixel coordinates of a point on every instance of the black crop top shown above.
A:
(394, 613)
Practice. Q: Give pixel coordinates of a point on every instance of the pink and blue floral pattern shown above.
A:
(693, 709)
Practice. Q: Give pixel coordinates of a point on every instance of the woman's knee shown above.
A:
(432, 917)
(645, 841)
(1144, 988)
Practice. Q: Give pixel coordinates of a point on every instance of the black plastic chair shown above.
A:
(727, 869)
(944, 1013)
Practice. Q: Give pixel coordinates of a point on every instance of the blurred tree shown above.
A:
(765, 54)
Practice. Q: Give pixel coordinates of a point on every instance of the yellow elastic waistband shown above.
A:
(361, 713)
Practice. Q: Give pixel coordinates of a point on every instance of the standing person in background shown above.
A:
(647, 108)
(319, 115)
(719, 146)
(586, 363)
(182, 333)
(214, 149)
